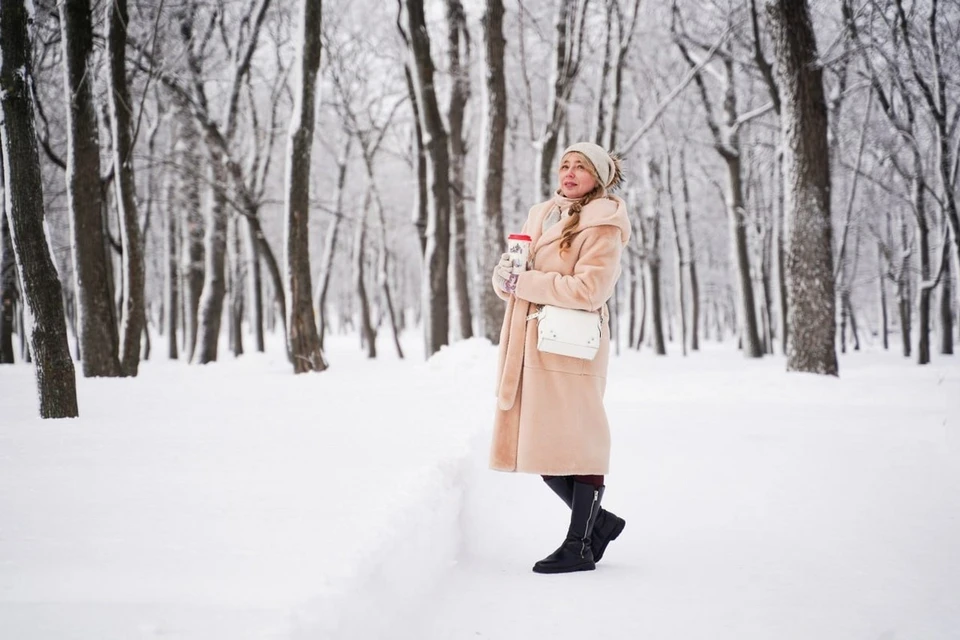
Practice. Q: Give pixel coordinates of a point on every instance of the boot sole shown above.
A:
(586, 566)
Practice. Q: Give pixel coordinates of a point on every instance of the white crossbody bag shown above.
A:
(568, 332)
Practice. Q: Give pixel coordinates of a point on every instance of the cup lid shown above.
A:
(520, 236)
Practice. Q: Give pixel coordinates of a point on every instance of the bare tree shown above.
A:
(170, 266)
(96, 318)
(434, 294)
(726, 142)
(691, 259)
(569, 30)
(608, 109)
(490, 165)
(806, 164)
(302, 339)
(133, 313)
(8, 280)
(23, 197)
(650, 233)
(330, 240)
(459, 53)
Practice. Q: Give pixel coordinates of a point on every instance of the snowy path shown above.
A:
(827, 509)
(236, 502)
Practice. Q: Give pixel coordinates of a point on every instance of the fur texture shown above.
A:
(550, 418)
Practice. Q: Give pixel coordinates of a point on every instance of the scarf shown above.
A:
(558, 211)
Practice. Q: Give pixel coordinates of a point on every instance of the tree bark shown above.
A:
(8, 280)
(368, 334)
(133, 312)
(214, 276)
(330, 241)
(490, 166)
(302, 339)
(681, 264)
(810, 284)
(235, 285)
(459, 52)
(434, 294)
(193, 254)
(650, 229)
(946, 311)
(96, 320)
(691, 260)
(23, 196)
(170, 268)
(882, 283)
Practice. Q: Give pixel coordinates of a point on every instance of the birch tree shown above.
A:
(806, 166)
(23, 198)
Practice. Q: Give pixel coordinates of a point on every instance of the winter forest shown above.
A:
(201, 198)
(233, 169)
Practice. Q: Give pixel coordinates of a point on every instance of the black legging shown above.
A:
(596, 481)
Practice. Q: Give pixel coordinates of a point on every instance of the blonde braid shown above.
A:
(573, 221)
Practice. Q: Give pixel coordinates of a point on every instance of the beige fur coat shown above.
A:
(550, 417)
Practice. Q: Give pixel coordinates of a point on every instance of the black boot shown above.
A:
(607, 527)
(576, 552)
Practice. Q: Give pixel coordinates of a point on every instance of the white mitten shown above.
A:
(503, 276)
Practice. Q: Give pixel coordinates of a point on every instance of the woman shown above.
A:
(550, 418)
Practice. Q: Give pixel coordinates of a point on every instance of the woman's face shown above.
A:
(576, 179)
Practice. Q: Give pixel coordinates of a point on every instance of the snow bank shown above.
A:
(235, 500)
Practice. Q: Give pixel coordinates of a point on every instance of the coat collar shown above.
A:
(610, 210)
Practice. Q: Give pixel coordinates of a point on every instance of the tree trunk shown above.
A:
(923, 249)
(600, 128)
(133, 313)
(568, 40)
(632, 302)
(946, 311)
(368, 334)
(235, 285)
(255, 282)
(330, 241)
(882, 283)
(681, 263)
(459, 52)
(171, 280)
(421, 199)
(650, 230)
(192, 255)
(434, 295)
(302, 339)
(214, 276)
(23, 196)
(96, 319)
(810, 283)
(691, 260)
(736, 216)
(490, 167)
(8, 280)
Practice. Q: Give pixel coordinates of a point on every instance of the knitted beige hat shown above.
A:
(607, 165)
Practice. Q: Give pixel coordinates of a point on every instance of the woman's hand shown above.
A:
(503, 276)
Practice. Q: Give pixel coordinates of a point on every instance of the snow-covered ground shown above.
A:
(238, 501)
